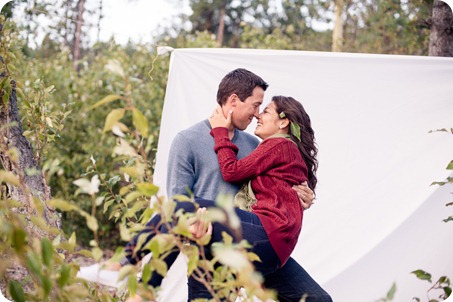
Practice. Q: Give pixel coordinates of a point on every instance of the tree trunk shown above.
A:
(78, 33)
(99, 21)
(16, 156)
(337, 34)
(441, 36)
(221, 25)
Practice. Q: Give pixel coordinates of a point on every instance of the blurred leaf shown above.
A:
(450, 218)
(92, 223)
(140, 122)
(192, 254)
(447, 291)
(146, 272)
(65, 273)
(391, 292)
(88, 187)
(124, 233)
(124, 148)
(33, 264)
(422, 275)
(19, 239)
(147, 189)
(112, 118)
(85, 253)
(9, 177)
(46, 251)
(159, 265)
(46, 285)
(16, 291)
(107, 99)
(168, 208)
(62, 205)
(231, 257)
(450, 166)
(114, 66)
(97, 253)
(125, 271)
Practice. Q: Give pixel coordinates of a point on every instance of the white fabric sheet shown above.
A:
(376, 217)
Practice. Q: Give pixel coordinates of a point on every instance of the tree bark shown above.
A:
(78, 34)
(221, 25)
(337, 34)
(441, 36)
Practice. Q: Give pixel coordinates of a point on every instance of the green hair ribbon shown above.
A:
(294, 127)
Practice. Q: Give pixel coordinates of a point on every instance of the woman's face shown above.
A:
(268, 122)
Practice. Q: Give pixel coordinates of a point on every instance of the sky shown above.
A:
(132, 19)
(137, 19)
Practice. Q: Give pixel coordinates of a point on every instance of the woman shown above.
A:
(285, 157)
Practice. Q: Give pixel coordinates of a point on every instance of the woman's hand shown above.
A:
(217, 118)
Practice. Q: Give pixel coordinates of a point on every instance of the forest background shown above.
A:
(83, 105)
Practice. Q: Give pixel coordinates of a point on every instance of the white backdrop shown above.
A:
(376, 217)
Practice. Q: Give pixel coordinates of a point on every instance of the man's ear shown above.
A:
(233, 99)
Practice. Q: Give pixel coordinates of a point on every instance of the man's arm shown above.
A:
(180, 171)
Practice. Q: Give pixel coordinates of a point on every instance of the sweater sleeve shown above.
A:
(234, 170)
(180, 172)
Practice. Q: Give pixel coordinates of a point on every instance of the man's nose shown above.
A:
(256, 114)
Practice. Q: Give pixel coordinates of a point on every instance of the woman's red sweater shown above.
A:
(274, 167)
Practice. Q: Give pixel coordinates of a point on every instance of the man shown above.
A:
(193, 167)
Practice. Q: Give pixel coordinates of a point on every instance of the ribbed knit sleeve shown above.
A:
(270, 154)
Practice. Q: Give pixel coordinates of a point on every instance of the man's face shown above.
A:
(244, 112)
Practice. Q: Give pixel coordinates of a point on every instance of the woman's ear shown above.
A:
(284, 123)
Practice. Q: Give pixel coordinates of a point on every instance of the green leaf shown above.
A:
(19, 239)
(33, 264)
(62, 205)
(140, 122)
(97, 253)
(391, 292)
(447, 291)
(47, 285)
(107, 99)
(92, 223)
(147, 189)
(112, 118)
(9, 177)
(295, 130)
(85, 253)
(46, 251)
(125, 271)
(422, 275)
(146, 272)
(16, 291)
(65, 273)
(192, 253)
(159, 265)
(450, 166)
(124, 233)
(132, 285)
(450, 218)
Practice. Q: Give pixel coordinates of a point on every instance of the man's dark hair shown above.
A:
(241, 82)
